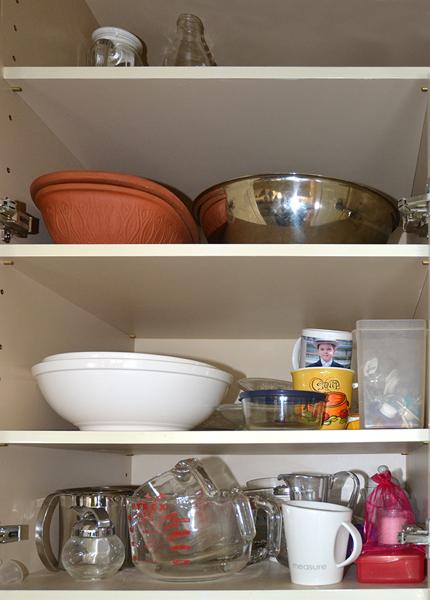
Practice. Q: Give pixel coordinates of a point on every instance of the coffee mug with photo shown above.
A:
(322, 348)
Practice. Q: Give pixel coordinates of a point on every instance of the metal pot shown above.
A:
(296, 208)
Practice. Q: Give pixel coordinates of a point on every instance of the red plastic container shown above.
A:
(400, 565)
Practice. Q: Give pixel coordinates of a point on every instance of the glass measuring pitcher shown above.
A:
(185, 538)
(319, 487)
(187, 478)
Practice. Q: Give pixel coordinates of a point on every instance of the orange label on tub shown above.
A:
(325, 385)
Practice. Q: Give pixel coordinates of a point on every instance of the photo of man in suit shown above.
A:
(326, 350)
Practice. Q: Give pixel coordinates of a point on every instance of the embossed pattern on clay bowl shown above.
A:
(92, 213)
(121, 180)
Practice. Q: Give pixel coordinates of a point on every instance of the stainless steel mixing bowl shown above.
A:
(295, 208)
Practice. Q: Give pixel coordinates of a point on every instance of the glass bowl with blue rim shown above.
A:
(282, 409)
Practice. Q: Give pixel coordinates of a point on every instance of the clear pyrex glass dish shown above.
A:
(282, 409)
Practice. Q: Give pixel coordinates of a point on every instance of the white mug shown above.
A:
(317, 536)
(305, 352)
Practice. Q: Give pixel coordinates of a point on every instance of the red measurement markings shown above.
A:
(177, 534)
(175, 524)
(181, 561)
(173, 516)
(180, 547)
(172, 520)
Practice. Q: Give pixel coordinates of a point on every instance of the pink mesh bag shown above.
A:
(387, 510)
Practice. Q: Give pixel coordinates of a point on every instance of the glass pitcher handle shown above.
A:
(194, 467)
(274, 529)
(355, 483)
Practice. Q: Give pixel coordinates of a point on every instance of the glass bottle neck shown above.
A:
(190, 25)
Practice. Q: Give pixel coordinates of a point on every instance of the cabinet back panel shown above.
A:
(242, 358)
(232, 469)
(35, 323)
(28, 149)
(417, 466)
(46, 32)
(231, 127)
(244, 469)
(285, 32)
(302, 32)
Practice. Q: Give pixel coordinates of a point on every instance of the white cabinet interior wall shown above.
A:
(360, 114)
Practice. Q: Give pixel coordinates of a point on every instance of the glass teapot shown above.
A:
(183, 528)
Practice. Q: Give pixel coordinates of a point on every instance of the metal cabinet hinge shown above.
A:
(412, 534)
(10, 533)
(15, 220)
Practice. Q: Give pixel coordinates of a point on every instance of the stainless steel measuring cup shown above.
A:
(318, 487)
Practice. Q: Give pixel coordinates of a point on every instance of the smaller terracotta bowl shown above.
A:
(211, 211)
(91, 213)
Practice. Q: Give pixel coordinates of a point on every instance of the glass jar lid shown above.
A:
(115, 34)
(88, 528)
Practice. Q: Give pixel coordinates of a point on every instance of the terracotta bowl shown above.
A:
(93, 213)
(121, 180)
(211, 213)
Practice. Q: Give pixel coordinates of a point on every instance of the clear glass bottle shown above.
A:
(189, 47)
(93, 551)
(114, 47)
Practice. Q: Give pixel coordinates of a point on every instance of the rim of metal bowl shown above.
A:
(390, 199)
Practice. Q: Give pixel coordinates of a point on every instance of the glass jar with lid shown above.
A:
(114, 47)
(93, 551)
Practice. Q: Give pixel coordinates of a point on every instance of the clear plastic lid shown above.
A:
(115, 34)
(388, 324)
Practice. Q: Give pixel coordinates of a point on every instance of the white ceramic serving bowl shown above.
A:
(121, 356)
(131, 393)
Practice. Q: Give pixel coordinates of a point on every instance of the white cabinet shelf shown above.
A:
(226, 442)
(16, 74)
(192, 128)
(227, 251)
(239, 292)
(267, 580)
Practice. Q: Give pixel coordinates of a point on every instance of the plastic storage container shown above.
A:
(391, 566)
(391, 359)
